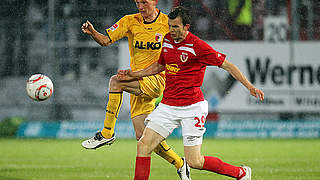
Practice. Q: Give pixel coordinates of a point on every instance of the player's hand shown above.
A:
(257, 93)
(125, 75)
(87, 28)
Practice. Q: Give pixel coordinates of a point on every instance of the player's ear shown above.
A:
(186, 27)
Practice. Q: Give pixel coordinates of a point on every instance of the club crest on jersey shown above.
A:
(158, 37)
(114, 27)
(184, 57)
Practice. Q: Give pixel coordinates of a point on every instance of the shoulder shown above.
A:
(132, 17)
(199, 43)
(195, 39)
(163, 16)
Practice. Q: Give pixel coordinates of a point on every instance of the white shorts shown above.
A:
(164, 119)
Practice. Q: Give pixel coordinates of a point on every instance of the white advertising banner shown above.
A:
(288, 73)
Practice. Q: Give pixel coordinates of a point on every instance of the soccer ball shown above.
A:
(39, 87)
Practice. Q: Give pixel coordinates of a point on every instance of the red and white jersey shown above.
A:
(185, 64)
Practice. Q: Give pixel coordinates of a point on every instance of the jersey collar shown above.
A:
(154, 18)
(187, 36)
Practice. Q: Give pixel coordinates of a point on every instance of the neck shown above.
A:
(152, 16)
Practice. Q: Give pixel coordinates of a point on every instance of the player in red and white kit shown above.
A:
(184, 58)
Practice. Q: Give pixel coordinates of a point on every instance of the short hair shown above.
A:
(181, 12)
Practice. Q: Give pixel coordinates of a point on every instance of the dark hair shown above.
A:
(181, 12)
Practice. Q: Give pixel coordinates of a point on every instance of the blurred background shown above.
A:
(274, 43)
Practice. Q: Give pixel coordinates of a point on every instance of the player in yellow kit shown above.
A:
(145, 31)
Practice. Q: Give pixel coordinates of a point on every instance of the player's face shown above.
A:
(146, 7)
(177, 29)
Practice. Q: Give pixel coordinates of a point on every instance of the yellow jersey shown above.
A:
(144, 38)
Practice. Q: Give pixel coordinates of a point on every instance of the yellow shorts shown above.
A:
(151, 87)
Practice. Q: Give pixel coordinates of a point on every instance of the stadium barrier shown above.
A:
(9, 126)
(214, 129)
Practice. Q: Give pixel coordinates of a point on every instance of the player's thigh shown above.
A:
(163, 120)
(152, 86)
(116, 85)
(149, 141)
(132, 87)
(193, 123)
(141, 105)
(138, 124)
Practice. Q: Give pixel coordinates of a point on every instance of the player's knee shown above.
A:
(194, 163)
(138, 136)
(114, 83)
(113, 80)
(143, 148)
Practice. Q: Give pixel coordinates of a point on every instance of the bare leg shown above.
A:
(163, 149)
(149, 140)
(138, 124)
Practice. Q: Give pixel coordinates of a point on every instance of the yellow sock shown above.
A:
(168, 154)
(112, 111)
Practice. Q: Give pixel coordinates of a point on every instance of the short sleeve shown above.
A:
(209, 56)
(119, 29)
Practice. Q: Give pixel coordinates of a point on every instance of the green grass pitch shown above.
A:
(52, 159)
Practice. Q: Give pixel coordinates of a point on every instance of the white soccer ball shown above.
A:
(39, 87)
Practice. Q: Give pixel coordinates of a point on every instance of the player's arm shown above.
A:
(237, 74)
(101, 39)
(128, 74)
